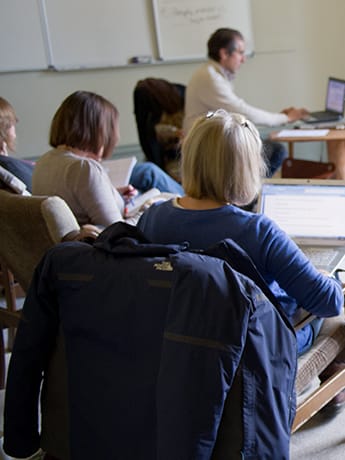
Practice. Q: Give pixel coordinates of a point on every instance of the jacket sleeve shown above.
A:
(35, 339)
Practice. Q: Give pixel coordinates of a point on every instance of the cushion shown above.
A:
(12, 182)
(59, 218)
(20, 168)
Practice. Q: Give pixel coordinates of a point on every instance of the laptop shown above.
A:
(312, 213)
(335, 103)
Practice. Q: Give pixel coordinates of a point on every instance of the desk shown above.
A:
(335, 146)
(333, 135)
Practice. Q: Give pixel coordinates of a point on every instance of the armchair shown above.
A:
(56, 421)
(29, 225)
(329, 344)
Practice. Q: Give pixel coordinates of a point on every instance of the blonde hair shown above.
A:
(222, 159)
(7, 119)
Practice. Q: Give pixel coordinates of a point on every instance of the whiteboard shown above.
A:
(22, 45)
(184, 26)
(98, 33)
(83, 34)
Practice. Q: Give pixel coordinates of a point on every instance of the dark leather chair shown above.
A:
(152, 98)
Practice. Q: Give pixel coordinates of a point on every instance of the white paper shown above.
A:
(120, 170)
(303, 133)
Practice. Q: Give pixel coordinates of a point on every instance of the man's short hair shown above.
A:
(223, 38)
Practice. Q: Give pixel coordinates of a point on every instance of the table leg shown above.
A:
(336, 154)
(291, 149)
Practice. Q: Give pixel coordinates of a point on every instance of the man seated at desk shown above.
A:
(210, 88)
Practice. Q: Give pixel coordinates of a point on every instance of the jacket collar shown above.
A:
(124, 239)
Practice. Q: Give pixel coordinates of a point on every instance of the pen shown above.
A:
(128, 201)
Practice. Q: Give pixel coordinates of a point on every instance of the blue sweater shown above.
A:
(291, 277)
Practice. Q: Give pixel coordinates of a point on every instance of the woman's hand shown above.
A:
(128, 192)
(88, 231)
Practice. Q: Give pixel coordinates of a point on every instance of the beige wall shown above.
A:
(278, 76)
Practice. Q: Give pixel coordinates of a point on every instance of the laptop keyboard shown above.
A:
(320, 256)
(322, 116)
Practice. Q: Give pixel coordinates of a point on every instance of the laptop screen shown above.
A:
(335, 99)
(306, 209)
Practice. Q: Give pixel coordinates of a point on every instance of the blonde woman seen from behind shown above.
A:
(222, 169)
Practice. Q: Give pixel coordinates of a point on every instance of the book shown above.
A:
(144, 200)
(120, 170)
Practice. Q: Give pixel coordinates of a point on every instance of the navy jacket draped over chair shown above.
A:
(156, 338)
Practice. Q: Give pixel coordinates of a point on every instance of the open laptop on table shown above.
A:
(312, 213)
(335, 103)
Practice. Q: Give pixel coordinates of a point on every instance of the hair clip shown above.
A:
(209, 114)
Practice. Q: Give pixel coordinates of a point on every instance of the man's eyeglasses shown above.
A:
(241, 52)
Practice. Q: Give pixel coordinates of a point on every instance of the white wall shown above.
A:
(296, 75)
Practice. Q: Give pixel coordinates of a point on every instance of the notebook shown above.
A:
(335, 103)
(312, 213)
(143, 200)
